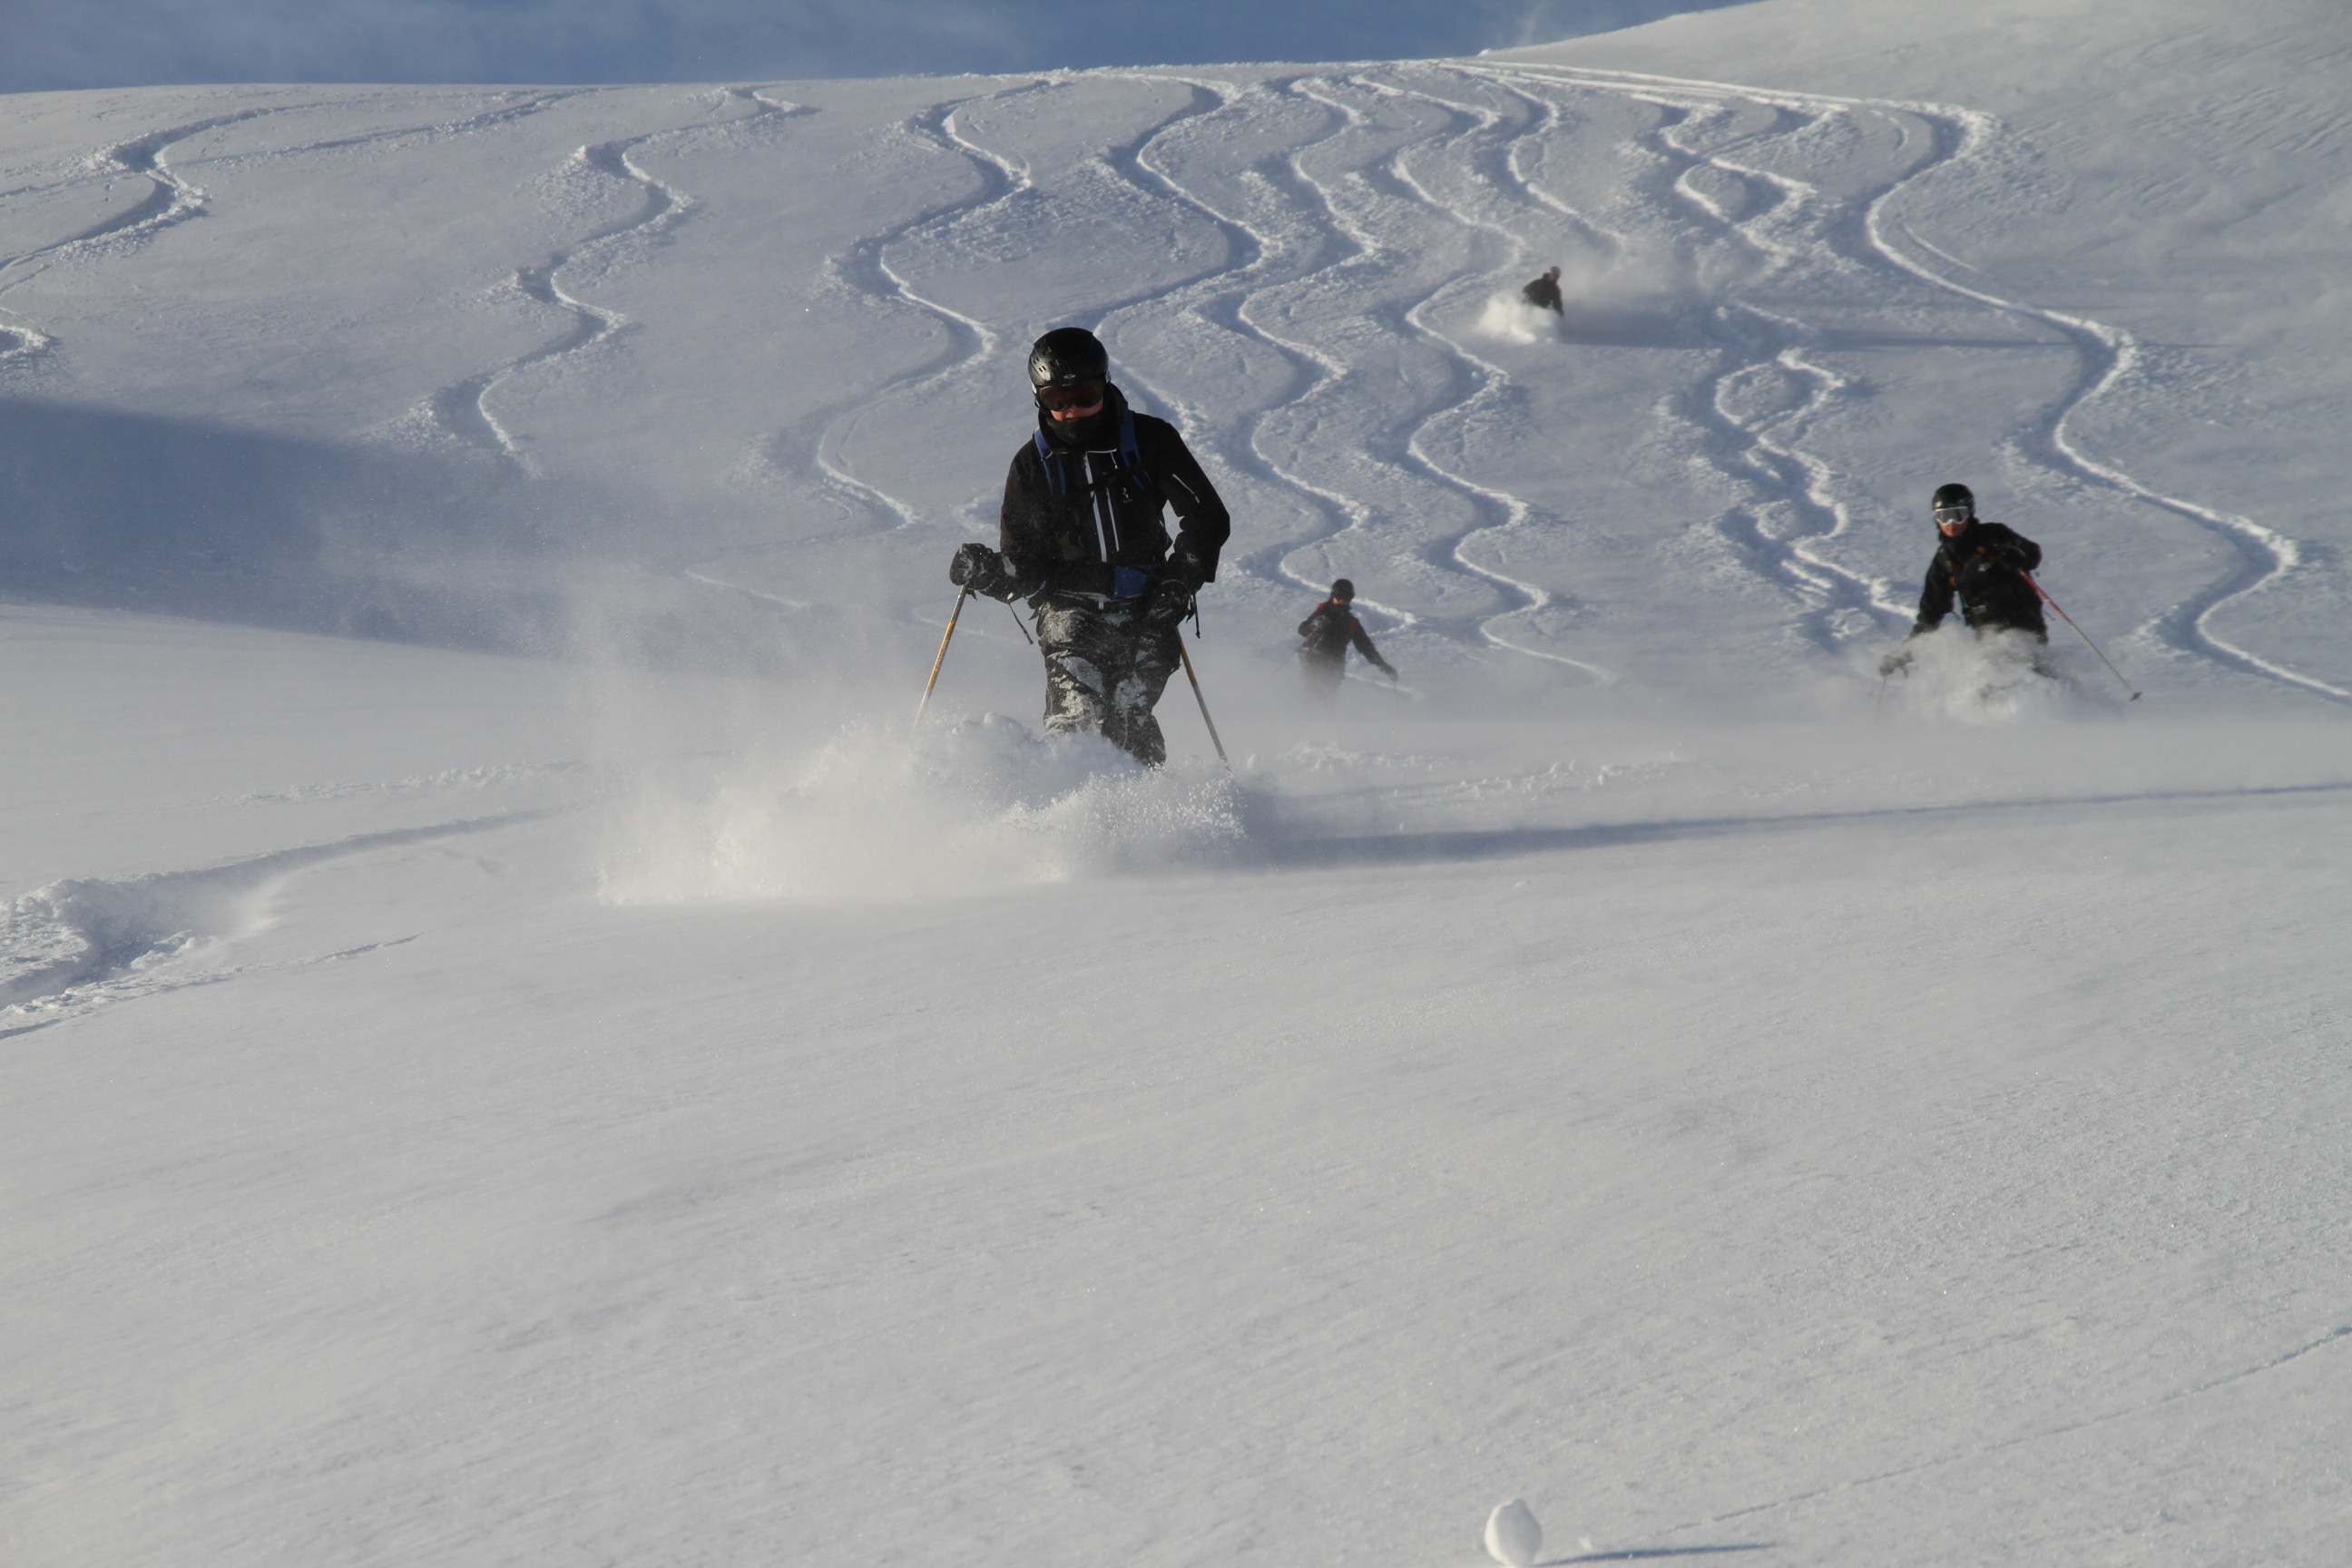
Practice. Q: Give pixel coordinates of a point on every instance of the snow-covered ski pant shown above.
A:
(1105, 668)
(1325, 673)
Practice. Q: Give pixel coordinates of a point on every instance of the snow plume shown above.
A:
(1512, 319)
(2002, 678)
(1626, 291)
(874, 814)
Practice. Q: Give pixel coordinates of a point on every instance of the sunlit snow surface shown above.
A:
(519, 1049)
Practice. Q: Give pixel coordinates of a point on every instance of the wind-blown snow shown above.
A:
(519, 1049)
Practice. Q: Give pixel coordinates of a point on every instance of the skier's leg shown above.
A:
(1151, 657)
(1079, 654)
(1324, 675)
(2040, 656)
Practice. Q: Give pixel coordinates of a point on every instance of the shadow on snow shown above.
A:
(1276, 844)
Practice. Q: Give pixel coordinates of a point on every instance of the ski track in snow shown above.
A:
(1278, 244)
(1356, 211)
(1351, 228)
(2109, 357)
(170, 200)
(1356, 201)
(865, 270)
(1276, 249)
(173, 199)
(1503, 511)
(80, 944)
(1800, 490)
(462, 410)
(1351, 193)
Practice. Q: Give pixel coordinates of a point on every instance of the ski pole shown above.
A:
(2080, 633)
(1186, 654)
(962, 595)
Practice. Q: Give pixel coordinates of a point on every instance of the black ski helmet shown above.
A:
(1949, 495)
(1067, 356)
(1343, 591)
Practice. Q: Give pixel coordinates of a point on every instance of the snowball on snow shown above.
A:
(1513, 1536)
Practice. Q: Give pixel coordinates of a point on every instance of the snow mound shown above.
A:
(72, 932)
(876, 814)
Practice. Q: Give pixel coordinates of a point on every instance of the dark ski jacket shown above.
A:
(1984, 569)
(1544, 293)
(1080, 503)
(1328, 629)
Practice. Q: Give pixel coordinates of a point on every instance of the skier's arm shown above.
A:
(1025, 531)
(1204, 525)
(1363, 641)
(1934, 596)
(2014, 551)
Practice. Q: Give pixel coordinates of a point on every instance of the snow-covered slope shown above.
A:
(515, 1051)
(436, 363)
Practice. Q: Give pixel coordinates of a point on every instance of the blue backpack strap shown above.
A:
(1047, 456)
(1130, 456)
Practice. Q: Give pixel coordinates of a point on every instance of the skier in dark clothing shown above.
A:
(1329, 630)
(1982, 565)
(1082, 537)
(1544, 293)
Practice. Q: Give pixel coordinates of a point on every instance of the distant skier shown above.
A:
(1329, 630)
(1083, 538)
(1983, 564)
(1544, 293)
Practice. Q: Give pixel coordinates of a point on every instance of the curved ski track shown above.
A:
(1364, 205)
(865, 270)
(1279, 247)
(1350, 213)
(1336, 215)
(82, 944)
(463, 409)
(1491, 166)
(172, 200)
(1763, 351)
(2109, 356)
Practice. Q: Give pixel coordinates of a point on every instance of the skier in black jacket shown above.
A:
(1329, 630)
(1982, 565)
(1083, 538)
(1544, 293)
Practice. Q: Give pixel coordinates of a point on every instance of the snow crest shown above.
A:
(871, 815)
(74, 933)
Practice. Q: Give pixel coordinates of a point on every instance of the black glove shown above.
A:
(1899, 660)
(1170, 598)
(977, 569)
(1169, 601)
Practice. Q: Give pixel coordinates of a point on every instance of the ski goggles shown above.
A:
(1954, 513)
(1077, 394)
